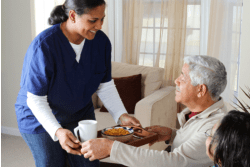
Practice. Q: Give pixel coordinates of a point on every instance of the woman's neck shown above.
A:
(68, 30)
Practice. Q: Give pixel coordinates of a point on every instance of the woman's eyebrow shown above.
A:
(96, 18)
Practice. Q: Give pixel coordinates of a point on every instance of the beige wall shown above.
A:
(16, 37)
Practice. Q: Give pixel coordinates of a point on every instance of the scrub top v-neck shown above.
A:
(50, 68)
(78, 49)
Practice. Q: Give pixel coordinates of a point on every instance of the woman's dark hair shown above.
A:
(60, 13)
(232, 139)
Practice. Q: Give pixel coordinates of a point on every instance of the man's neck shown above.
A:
(201, 105)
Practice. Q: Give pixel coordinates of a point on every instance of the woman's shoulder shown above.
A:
(47, 36)
(44, 42)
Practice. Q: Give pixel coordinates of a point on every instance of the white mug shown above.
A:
(87, 130)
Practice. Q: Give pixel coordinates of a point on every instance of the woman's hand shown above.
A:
(164, 133)
(97, 148)
(129, 120)
(68, 141)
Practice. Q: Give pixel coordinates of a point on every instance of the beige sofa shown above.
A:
(157, 107)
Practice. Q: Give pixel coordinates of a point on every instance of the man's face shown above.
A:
(185, 93)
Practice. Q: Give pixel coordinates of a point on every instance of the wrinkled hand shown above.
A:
(97, 148)
(164, 133)
(129, 120)
(68, 141)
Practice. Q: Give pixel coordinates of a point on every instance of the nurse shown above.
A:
(64, 65)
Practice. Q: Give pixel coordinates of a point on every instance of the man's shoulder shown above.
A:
(211, 120)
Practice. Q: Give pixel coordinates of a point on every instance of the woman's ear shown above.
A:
(72, 15)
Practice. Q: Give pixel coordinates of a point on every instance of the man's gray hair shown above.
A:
(209, 71)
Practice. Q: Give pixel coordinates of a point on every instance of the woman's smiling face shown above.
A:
(88, 24)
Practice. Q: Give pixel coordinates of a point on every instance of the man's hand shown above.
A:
(164, 133)
(68, 141)
(129, 120)
(97, 148)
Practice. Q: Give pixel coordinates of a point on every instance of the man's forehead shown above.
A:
(185, 70)
(186, 66)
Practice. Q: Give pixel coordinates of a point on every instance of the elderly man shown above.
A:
(202, 80)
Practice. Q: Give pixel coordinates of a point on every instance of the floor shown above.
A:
(15, 153)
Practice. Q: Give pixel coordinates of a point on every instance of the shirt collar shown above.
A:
(205, 114)
(213, 108)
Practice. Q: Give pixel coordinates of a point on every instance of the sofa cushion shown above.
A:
(152, 77)
(129, 89)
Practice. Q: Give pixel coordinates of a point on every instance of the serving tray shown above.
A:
(136, 140)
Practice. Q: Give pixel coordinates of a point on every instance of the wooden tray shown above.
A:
(135, 141)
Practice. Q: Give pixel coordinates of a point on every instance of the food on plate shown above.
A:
(116, 132)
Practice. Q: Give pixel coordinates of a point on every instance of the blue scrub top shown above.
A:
(50, 68)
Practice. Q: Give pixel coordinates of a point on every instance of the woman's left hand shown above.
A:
(129, 120)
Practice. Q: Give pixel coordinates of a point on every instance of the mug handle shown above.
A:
(76, 130)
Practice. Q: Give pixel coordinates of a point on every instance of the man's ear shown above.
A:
(202, 90)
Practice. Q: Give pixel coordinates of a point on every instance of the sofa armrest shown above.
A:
(158, 108)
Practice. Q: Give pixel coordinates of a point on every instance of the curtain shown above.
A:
(105, 26)
(132, 27)
(224, 39)
(160, 33)
(155, 34)
(176, 37)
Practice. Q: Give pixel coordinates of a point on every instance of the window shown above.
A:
(236, 35)
(198, 12)
(151, 33)
(150, 36)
